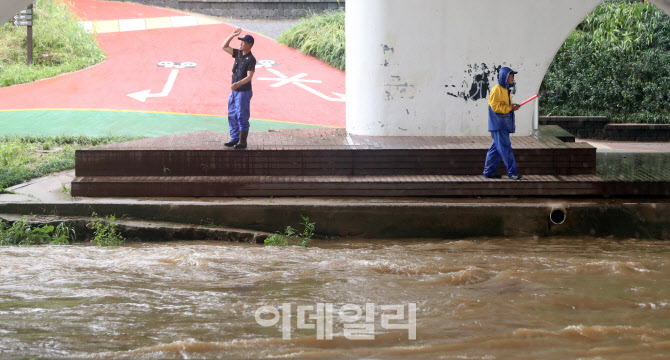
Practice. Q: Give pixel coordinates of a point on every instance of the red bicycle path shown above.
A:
(132, 66)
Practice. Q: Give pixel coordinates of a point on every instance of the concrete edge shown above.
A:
(642, 220)
(146, 231)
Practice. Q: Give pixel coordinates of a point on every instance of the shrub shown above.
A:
(320, 36)
(615, 64)
(292, 236)
(106, 233)
(21, 233)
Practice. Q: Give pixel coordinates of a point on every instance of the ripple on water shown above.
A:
(486, 298)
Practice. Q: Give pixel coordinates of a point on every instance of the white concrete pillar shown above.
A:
(423, 67)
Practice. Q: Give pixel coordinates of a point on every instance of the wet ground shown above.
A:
(179, 78)
(632, 166)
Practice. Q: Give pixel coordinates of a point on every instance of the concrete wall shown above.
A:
(383, 219)
(249, 9)
(424, 67)
(9, 8)
(265, 9)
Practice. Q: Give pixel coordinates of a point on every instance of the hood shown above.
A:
(502, 77)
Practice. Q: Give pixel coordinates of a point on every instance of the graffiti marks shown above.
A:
(477, 83)
(387, 49)
(396, 88)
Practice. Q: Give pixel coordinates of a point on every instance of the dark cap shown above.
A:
(247, 38)
(513, 72)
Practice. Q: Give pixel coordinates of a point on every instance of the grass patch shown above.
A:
(60, 45)
(26, 157)
(106, 233)
(293, 236)
(320, 36)
(21, 233)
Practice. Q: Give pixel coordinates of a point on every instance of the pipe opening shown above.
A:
(557, 216)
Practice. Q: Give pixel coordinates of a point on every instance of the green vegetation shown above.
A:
(21, 233)
(24, 158)
(614, 64)
(292, 236)
(60, 45)
(106, 233)
(320, 36)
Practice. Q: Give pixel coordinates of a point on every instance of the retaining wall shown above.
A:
(388, 219)
(250, 9)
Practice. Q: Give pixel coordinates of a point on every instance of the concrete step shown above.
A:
(327, 153)
(385, 186)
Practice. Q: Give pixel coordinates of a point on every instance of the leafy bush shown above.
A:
(60, 45)
(292, 236)
(106, 233)
(320, 36)
(21, 233)
(615, 64)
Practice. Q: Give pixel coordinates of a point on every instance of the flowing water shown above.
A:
(478, 299)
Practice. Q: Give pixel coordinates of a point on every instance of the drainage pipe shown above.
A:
(557, 215)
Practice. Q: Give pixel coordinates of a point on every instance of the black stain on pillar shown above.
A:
(480, 85)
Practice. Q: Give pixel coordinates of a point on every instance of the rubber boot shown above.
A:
(230, 143)
(243, 140)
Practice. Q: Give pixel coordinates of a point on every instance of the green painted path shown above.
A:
(121, 123)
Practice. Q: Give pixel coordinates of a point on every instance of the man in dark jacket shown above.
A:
(239, 103)
(501, 124)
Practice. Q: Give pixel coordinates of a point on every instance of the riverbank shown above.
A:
(444, 218)
(144, 231)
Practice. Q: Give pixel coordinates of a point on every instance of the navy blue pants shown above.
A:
(239, 109)
(501, 147)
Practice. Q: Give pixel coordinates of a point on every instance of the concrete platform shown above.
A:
(330, 162)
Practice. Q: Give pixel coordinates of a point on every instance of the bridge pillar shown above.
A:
(424, 67)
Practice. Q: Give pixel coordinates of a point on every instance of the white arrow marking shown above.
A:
(299, 81)
(143, 95)
(339, 97)
(283, 79)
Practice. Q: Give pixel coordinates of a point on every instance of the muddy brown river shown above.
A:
(586, 298)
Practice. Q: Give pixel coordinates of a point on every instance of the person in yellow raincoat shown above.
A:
(501, 124)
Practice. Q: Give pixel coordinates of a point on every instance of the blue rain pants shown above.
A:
(501, 147)
(239, 109)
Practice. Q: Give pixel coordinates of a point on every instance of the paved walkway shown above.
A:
(627, 146)
(166, 74)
